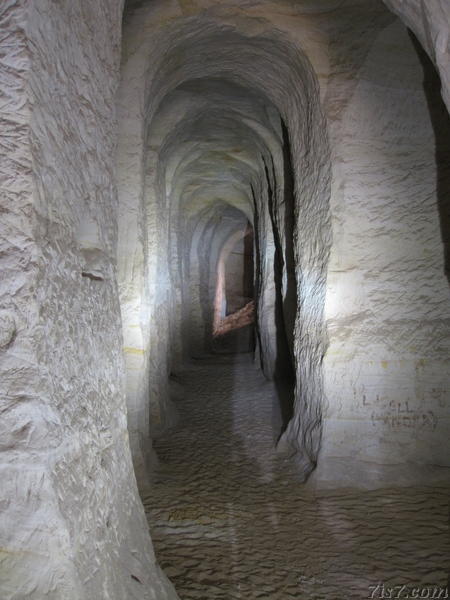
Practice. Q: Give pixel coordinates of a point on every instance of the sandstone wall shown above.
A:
(72, 522)
(387, 303)
(219, 114)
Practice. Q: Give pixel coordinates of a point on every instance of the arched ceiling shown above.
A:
(213, 138)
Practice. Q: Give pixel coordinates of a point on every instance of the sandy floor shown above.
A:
(232, 521)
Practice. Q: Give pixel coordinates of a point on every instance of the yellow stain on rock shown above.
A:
(129, 350)
(384, 364)
(6, 553)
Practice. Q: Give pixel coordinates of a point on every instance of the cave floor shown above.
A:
(230, 520)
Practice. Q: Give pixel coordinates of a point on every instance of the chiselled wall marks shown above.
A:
(74, 527)
(189, 154)
(387, 301)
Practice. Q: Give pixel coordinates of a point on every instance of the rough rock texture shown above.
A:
(317, 121)
(387, 308)
(72, 525)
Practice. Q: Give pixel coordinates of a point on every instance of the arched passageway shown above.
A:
(217, 139)
(255, 345)
(279, 401)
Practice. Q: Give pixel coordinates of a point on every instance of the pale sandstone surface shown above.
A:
(387, 308)
(72, 525)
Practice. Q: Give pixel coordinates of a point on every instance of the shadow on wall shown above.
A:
(285, 286)
(233, 304)
(440, 120)
(239, 285)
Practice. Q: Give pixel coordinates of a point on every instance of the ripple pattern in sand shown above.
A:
(229, 519)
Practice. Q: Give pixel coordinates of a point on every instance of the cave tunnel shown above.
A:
(284, 207)
(225, 312)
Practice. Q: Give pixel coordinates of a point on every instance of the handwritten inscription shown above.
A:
(400, 416)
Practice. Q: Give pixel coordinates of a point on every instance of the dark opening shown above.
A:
(440, 120)
(239, 286)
